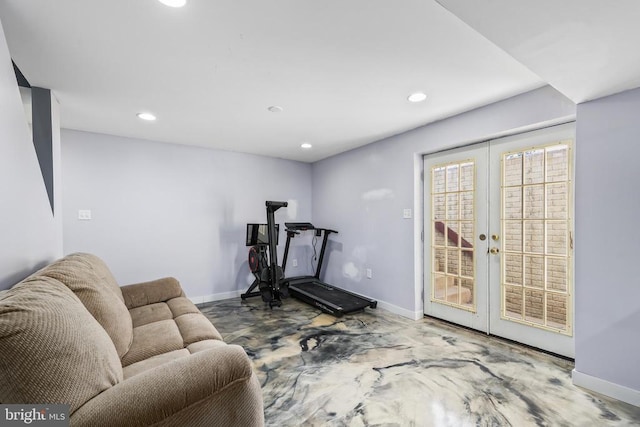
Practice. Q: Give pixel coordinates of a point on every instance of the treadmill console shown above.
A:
(299, 226)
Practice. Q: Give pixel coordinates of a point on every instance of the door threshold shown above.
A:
(507, 340)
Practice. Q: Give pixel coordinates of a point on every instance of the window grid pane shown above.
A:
(453, 222)
(536, 246)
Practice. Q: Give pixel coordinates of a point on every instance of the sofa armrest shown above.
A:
(145, 293)
(208, 388)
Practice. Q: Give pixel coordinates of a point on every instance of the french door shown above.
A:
(499, 237)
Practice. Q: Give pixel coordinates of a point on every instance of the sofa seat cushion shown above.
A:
(150, 313)
(153, 339)
(165, 327)
(161, 359)
(90, 279)
(153, 362)
(196, 327)
(182, 305)
(204, 345)
(51, 347)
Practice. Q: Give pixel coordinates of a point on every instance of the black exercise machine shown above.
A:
(269, 276)
(263, 259)
(310, 289)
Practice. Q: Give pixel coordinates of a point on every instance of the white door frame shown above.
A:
(476, 318)
(492, 323)
(559, 343)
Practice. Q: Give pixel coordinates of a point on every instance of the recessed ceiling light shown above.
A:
(173, 3)
(146, 116)
(305, 145)
(417, 97)
(275, 109)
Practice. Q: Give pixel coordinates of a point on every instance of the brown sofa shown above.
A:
(138, 355)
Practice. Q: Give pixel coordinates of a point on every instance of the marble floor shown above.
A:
(375, 368)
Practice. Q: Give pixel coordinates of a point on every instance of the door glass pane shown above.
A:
(513, 269)
(453, 225)
(466, 205)
(536, 248)
(453, 262)
(466, 259)
(512, 203)
(439, 260)
(466, 292)
(534, 201)
(453, 290)
(557, 310)
(513, 301)
(534, 166)
(556, 238)
(466, 234)
(534, 237)
(513, 169)
(513, 236)
(439, 287)
(533, 271)
(452, 177)
(467, 176)
(452, 205)
(453, 233)
(557, 163)
(557, 274)
(557, 200)
(438, 233)
(533, 306)
(438, 179)
(439, 203)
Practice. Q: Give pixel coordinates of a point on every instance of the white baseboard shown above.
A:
(413, 315)
(607, 388)
(215, 297)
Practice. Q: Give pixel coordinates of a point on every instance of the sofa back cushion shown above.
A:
(90, 279)
(51, 349)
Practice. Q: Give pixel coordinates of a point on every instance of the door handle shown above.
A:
(494, 251)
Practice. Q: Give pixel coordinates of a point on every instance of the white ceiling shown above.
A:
(585, 49)
(341, 70)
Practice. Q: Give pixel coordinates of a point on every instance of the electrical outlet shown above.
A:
(84, 214)
(369, 273)
(295, 262)
(406, 213)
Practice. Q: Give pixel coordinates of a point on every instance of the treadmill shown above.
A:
(310, 289)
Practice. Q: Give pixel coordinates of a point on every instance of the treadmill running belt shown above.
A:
(318, 293)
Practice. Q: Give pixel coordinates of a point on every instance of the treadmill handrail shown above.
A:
(292, 229)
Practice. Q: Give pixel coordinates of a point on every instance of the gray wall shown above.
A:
(31, 235)
(172, 210)
(162, 209)
(607, 239)
(362, 194)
